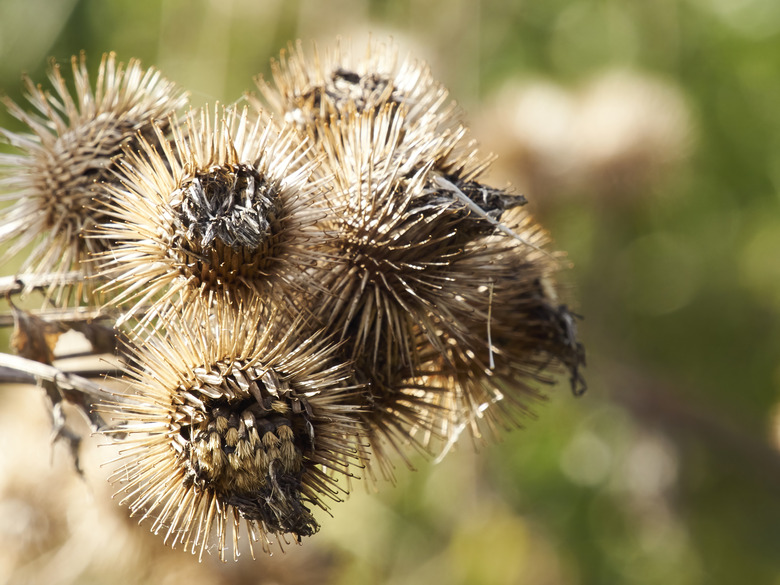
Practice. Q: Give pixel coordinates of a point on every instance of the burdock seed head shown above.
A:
(516, 334)
(312, 89)
(57, 179)
(318, 92)
(223, 211)
(230, 422)
(313, 92)
(389, 274)
(389, 260)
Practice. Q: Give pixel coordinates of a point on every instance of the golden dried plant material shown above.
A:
(224, 210)
(389, 276)
(56, 180)
(230, 423)
(389, 260)
(319, 92)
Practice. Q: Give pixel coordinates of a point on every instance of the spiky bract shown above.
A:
(232, 422)
(57, 179)
(225, 211)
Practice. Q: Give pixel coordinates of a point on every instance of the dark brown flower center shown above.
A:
(252, 453)
(225, 223)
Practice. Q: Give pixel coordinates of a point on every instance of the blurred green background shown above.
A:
(646, 136)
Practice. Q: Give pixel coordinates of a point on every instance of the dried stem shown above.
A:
(59, 385)
(11, 285)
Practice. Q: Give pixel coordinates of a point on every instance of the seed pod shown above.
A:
(516, 334)
(224, 211)
(312, 92)
(232, 422)
(57, 180)
(387, 276)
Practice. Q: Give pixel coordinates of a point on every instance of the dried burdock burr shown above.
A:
(230, 422)
(387, 278)
(57, 179)
(516, 335)
(224, 210)
(313, 92)
(388, 261)
(426, 266)
(309, 297)
(309, 90)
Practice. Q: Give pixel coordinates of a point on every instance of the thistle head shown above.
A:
(225, 210)
(58, 178)
(230, 422)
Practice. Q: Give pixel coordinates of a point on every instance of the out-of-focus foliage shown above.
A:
(646, 137)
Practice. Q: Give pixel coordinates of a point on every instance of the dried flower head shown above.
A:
(389, 277)
(224, 211)
(320, 92)
(515, 335)
(57, 179)
(233, 422)
(389, 258)
(313, 92)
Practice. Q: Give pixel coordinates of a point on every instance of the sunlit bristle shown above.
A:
(230, 419)
(224, 210)
(57, 180)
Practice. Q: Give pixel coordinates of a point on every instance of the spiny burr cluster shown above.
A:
(310, 285)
